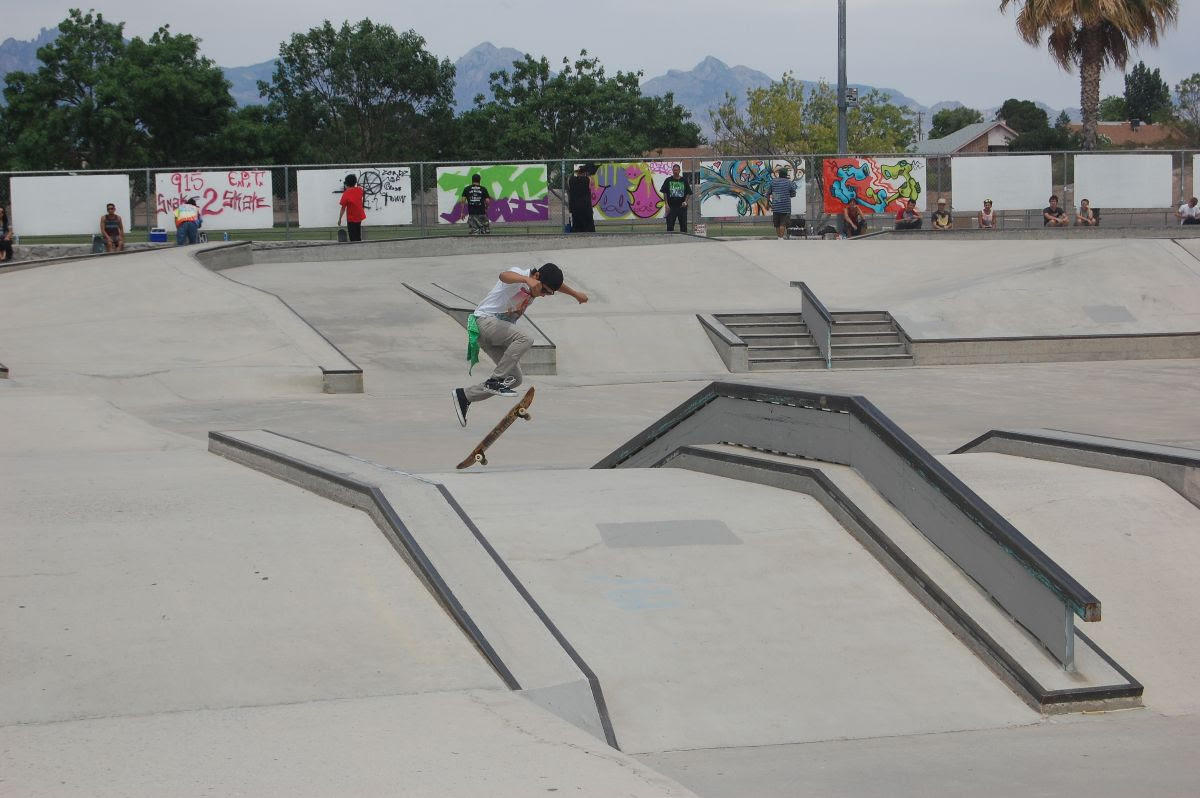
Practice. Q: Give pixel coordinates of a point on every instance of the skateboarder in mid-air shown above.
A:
(493, 327)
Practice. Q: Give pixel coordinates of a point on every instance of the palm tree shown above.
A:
(1092, 34)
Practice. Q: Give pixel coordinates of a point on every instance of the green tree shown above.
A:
(538, 114)
(1186, 111)
(781, 119)
(1046, 138)
(1112, 109)
(950, 120)
(362, 93)
(1147, 95)
(1023, 116)
(1092, 34)
(101, 102)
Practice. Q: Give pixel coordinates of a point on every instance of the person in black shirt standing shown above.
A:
(477, 198)
(676, 190)
(579, 201)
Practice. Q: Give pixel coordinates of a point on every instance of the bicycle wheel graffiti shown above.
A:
(732, 188)
(876, 186)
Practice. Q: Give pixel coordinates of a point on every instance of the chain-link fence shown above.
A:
(416, 199)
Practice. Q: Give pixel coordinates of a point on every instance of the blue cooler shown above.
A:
(158, 235)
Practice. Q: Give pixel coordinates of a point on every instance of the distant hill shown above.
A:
(244, 82)
(473, 69)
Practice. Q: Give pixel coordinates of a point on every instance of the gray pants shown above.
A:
(506, 345)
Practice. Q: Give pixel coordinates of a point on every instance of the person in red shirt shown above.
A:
(352, 208)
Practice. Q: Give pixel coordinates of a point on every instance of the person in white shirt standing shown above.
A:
(493, 328)
(1189, 212)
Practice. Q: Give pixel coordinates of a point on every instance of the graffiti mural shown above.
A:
(732, 188)
(519, 192)
(626, 191)
(875, 185)
(387, 194)
(239, 199)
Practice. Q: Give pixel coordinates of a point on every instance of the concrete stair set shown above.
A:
(782, 341)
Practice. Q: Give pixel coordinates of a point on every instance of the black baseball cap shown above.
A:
(550, 276)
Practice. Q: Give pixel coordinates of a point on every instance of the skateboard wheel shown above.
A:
(523, 413)
(479, 458)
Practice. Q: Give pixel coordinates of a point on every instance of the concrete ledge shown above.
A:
(1046, 234)
(1175, 466)
(448, 552)
(1015, 656)
(729, 346)
(1052, 348)
(541, 359)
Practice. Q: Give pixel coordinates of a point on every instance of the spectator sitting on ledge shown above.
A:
(942, 220)
(1189, 212)
(909, 218)
(1086, 216)
(1053, 215)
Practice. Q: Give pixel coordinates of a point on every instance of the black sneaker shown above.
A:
(460, 405)
(501, 386)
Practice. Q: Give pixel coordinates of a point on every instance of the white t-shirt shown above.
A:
(1188, 212)
(507, 301)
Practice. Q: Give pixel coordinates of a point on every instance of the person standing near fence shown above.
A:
(112, 230)
(477, 199)
(579, 201)
(676, 190)
(6, 236)
(352, 208)
(187, 222)
(780, 193)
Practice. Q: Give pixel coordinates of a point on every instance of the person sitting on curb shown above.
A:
(909, 218)
(853, 221)
(1053, 215)
(1086, 217)
(1189, 212)
(6, 236)
(987, 217)
(942, 220)
(493, 326)
(112, 230)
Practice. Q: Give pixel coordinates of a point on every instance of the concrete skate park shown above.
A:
(888, 517)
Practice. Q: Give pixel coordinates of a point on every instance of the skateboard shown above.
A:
(519, 410)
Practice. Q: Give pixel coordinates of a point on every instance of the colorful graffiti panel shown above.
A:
(519, 192)
(630, 190)
(733, 188)
(876, 185)
(387, 194)
(238, 199)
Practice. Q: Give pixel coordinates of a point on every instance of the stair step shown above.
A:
(758, 318)
(863, 326)
(768, 329)
(872, 361)
(848, 350)
(795, 350)
(760, 339)
(786, 363)
(865, 338)
(840, 316)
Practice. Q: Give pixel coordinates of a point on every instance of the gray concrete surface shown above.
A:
(312, 681)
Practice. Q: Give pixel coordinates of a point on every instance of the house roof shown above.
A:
(948, 145)
(1121, 134)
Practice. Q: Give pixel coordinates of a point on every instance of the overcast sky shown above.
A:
(931, 50)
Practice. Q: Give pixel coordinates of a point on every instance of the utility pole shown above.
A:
(842, 131)
(920, 123)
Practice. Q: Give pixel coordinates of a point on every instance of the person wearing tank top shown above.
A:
(112, 230)
(987, 217)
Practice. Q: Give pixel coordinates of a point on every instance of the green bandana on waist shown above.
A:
(472, 341)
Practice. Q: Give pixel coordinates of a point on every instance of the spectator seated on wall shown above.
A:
(909, 218)
(942, 220)
(112, 230)
(6, 236)
(1087, 217)
(852, 221)
(1189, 212)
(987, 217)
(1053, 214)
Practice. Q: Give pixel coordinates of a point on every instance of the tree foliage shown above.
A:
(1023, 116)
(539, 114)
(1147, 95)
(362, 93)
(100, 101)
(1112, 109)
(950, 120)
(1186, 111)
(1042, 137)
(1090, 35)
(782, 119)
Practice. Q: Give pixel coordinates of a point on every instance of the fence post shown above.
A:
(149, 208)
(562, 209)
(420, 205)
(287, 207)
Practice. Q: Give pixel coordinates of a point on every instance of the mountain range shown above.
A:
(697, 89)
